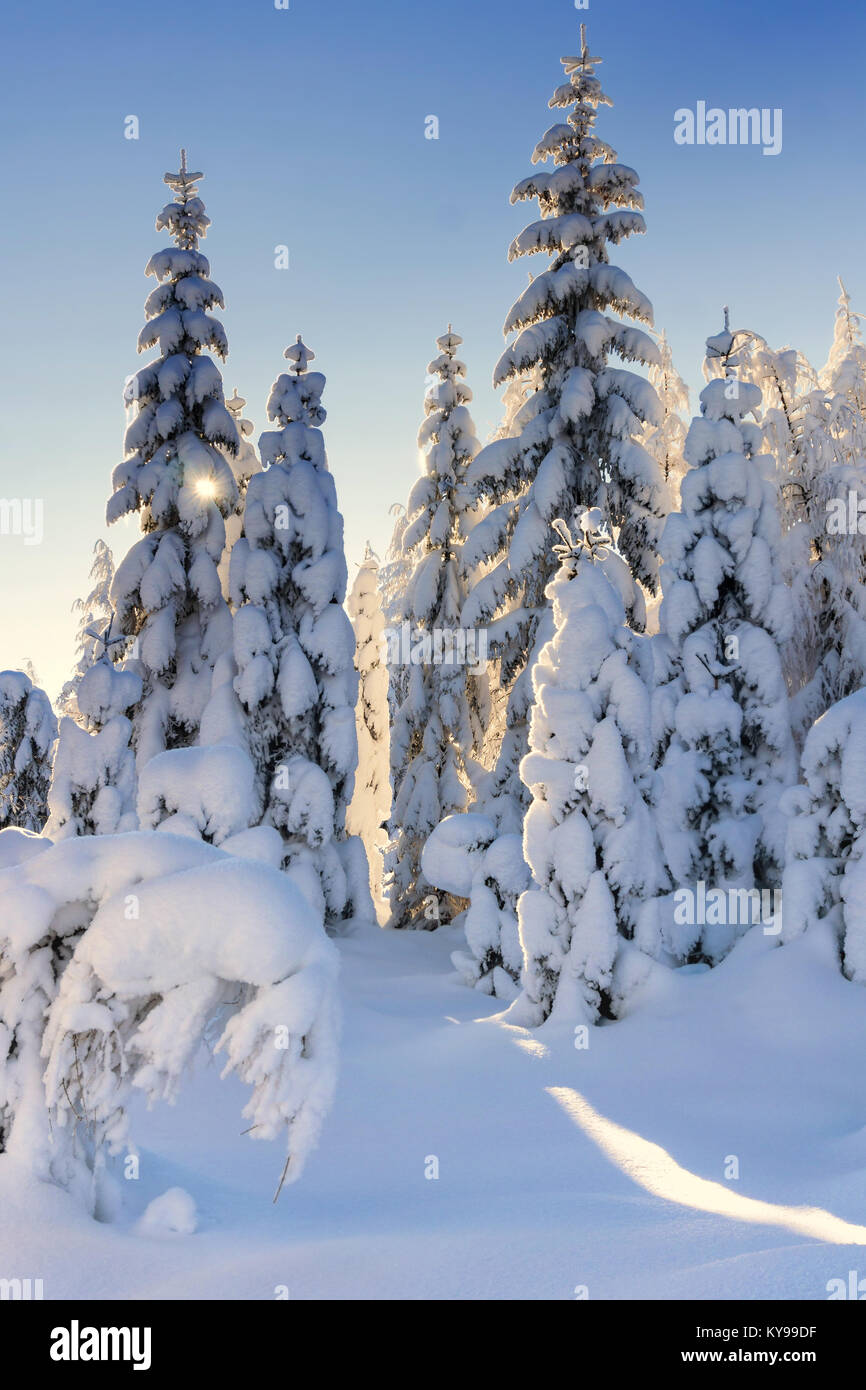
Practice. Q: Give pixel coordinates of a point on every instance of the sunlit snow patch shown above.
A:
(649, 1166)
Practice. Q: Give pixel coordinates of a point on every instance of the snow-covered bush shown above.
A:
(589, 835)
(209, 792)
(825, 874)
(118, 955)
(93, 783)
(466, 857)
(28, 733)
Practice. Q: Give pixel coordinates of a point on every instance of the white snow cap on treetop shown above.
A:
(585, 61)
(449, 341)
(720, 344)
(236, 405)
(184, 180)
(724, 352)
(594, 542)
(300, 355)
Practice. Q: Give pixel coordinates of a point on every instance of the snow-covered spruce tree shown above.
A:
(167, 591)
(825, 551)
(786, 380)
(844, 377)
(118, 954)
(437, 726)
(836, 592)
(665, 441)
(589, 836)
(823, 559)
(725, 612)
(243, 464)
(371, 801)
(294, 645)
(515, 395)
(394, 573)
(574, 441)
(96, 614)
(393, 578)
(464, 855)
(825, 873)
(28, 733)
(93, 783)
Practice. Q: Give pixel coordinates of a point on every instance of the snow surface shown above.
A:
(548, 1178)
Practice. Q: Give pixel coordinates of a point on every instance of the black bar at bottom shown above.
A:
(140, 1339)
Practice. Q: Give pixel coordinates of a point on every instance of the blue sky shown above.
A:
(309, 126)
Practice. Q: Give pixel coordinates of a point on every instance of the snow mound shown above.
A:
(174, 1212)
(214, 787)
(18, 845)
(455, 850)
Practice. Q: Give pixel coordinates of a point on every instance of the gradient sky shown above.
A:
(309, 126)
